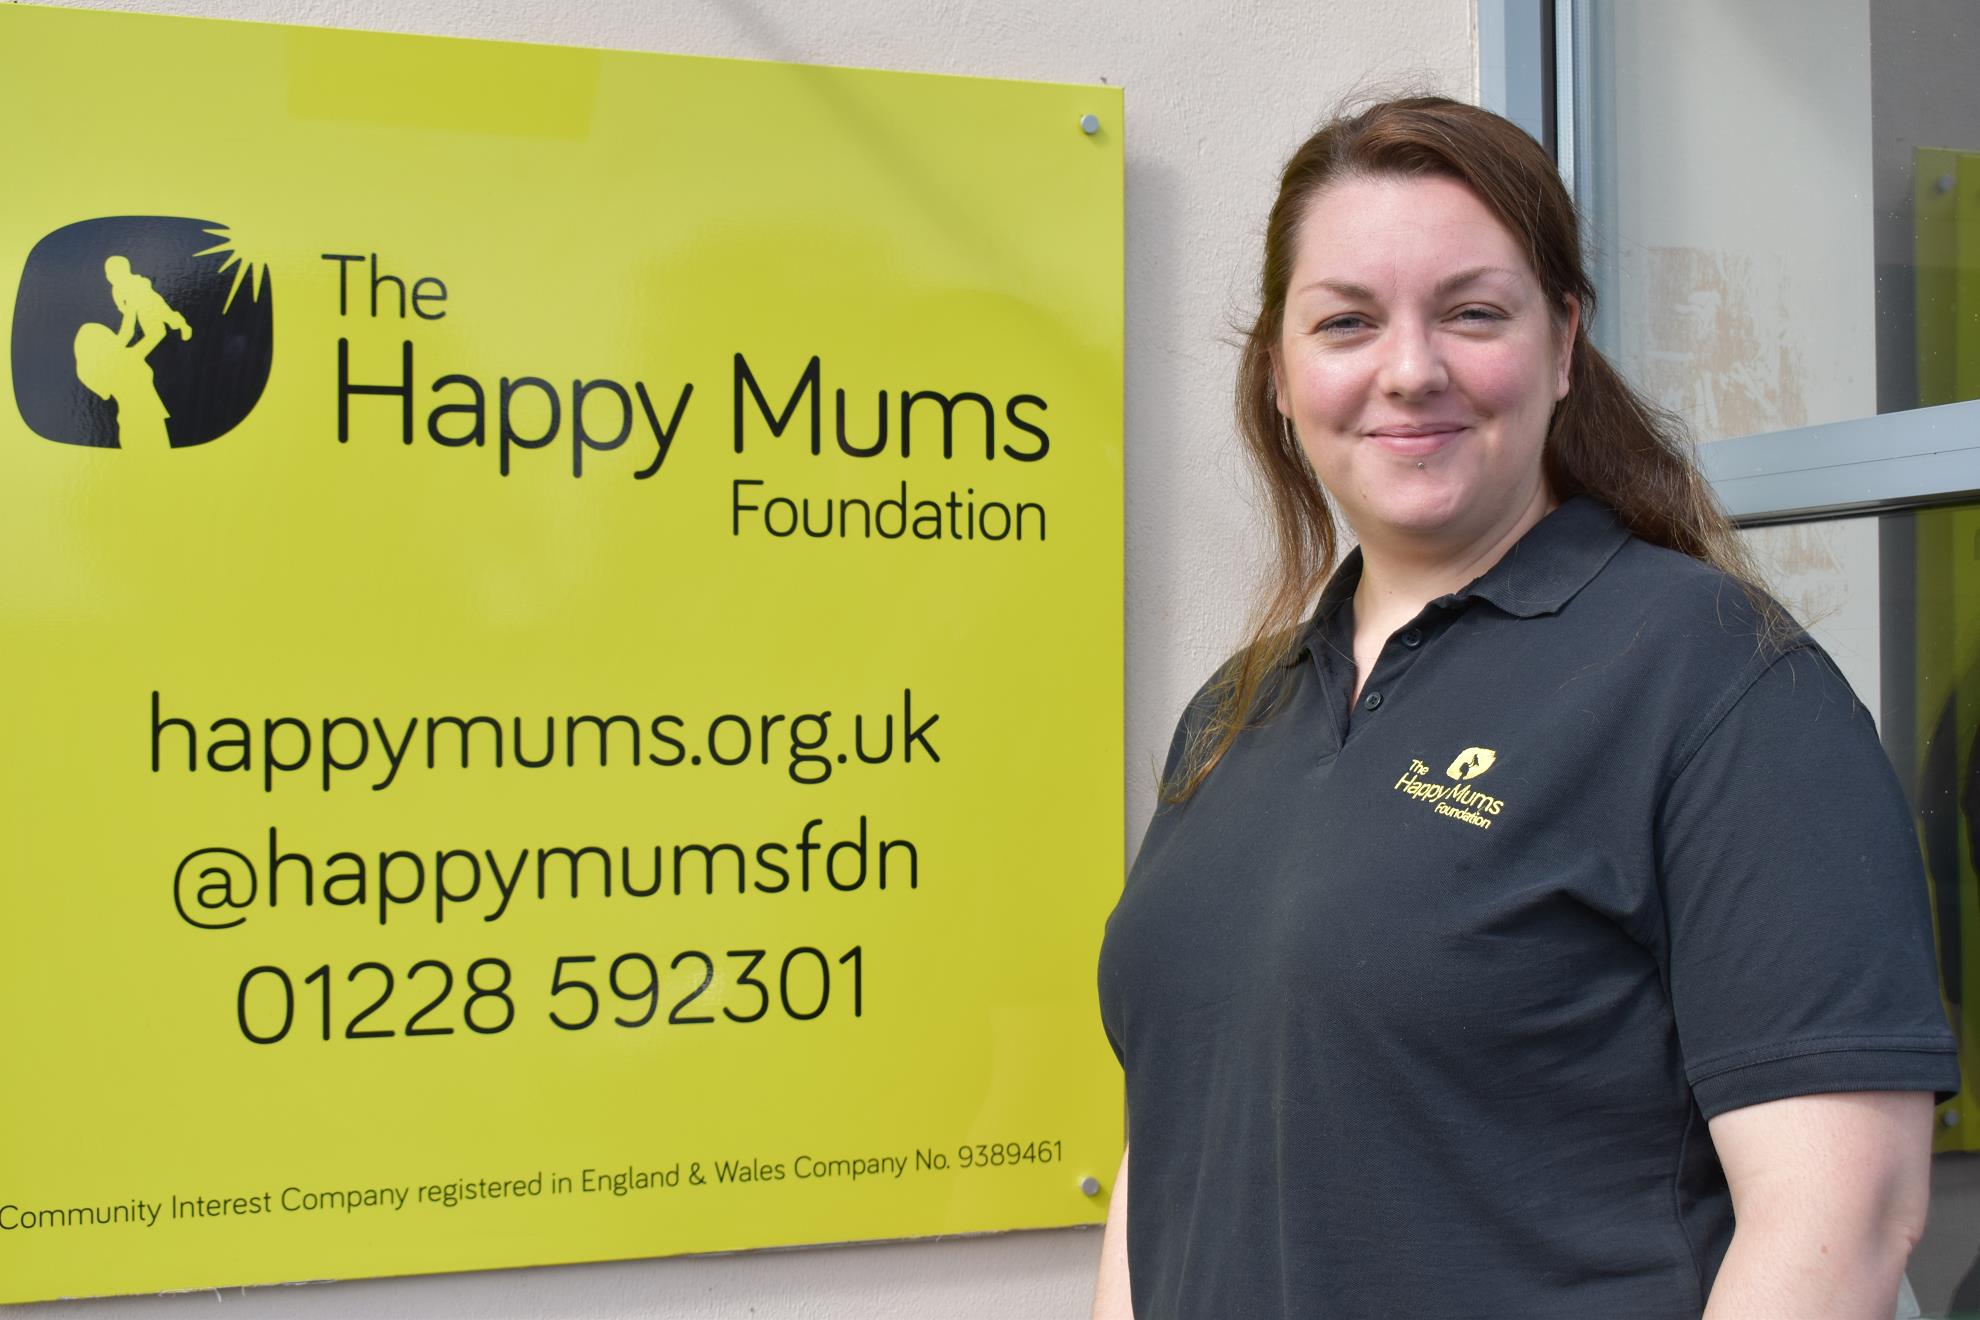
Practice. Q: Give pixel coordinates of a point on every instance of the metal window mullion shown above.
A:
(1514, 72)
(1567, 101)
(1864, 465)
(1585, 138)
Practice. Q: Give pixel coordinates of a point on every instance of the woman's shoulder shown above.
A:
(1257, 677)
(1717, 637)
(1265, 658)
(1698, 605)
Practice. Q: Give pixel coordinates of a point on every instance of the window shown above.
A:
(1782, 200)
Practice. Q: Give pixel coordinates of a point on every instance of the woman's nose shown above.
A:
(1412, 365)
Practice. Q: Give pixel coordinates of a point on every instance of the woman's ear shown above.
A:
(1279, 384)
(1564, 362)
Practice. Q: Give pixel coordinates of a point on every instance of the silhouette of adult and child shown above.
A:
(114, 366)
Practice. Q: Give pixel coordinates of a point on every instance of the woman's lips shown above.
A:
(1416, 441)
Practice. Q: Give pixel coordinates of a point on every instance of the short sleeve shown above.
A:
(1799, 949)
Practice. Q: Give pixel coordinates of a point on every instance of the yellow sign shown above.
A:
(562, 616)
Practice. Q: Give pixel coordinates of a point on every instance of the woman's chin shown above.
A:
(1432, 513)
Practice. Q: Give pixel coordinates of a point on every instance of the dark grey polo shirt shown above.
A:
(1423, 1013)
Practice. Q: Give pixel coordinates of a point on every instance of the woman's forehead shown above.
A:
(1367, 232)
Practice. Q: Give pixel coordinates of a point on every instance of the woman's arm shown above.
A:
(1111, 1300)
(1829, 1196)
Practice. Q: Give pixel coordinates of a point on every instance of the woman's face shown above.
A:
(1419, 363)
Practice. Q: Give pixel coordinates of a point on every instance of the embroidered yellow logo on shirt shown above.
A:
(1458, 799)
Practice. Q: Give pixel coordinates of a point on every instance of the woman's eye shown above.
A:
(1346, 324)
(1480, 314)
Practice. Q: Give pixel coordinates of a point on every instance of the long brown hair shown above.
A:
(1604, 440)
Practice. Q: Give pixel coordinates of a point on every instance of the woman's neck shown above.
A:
(1399, 576)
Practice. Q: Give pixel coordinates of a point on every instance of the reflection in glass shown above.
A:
(1930, 684)
(1945, 213)
(1785, 199)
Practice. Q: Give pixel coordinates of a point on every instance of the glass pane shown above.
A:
(1896, 600)
(1785, 197)
(1827, 574)
(1931, 725)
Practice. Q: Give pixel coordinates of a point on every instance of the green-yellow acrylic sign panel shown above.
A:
(563, 653)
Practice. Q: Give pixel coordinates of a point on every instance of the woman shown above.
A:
(1544, 907)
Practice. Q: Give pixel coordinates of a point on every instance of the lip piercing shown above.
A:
(1419, 467)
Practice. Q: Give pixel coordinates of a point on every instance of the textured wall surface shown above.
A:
(1217, 95)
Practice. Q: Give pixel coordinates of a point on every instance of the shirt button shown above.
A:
(1373, 701)
(1412, 637)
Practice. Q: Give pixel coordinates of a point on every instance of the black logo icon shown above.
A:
(141, 332)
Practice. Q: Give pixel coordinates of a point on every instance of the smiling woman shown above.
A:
(1544, 896)
(1418, 365)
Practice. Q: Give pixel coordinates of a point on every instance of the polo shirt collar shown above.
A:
(1542, 571)
(1559, 556)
